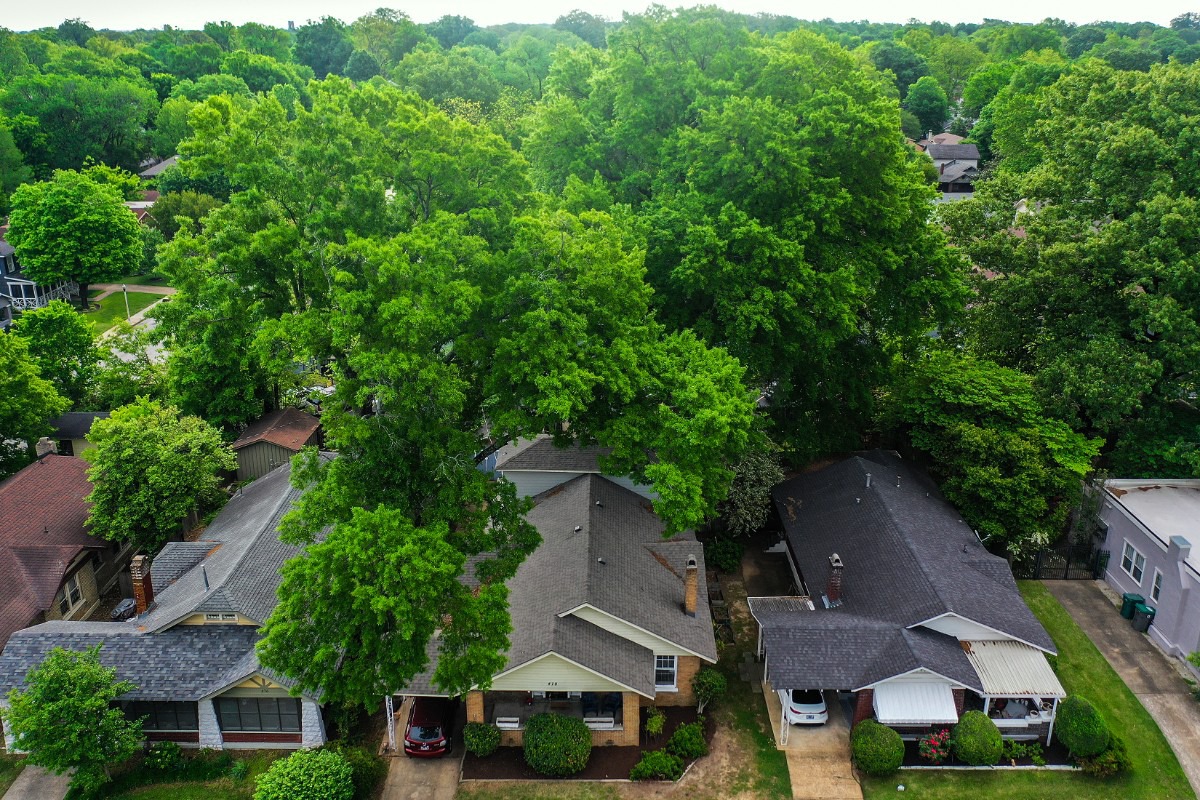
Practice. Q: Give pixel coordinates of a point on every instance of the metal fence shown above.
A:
(1078, 562)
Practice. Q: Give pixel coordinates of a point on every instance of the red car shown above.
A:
(428, 733)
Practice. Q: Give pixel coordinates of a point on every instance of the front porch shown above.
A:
(27, 295)
(613, 717)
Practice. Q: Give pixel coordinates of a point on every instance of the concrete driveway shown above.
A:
(818, 756)
(1149, 674)
(422, 778)
(35, 783)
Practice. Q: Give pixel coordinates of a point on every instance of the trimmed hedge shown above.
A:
(556, 745)
(687, 741)
(481, 739)
(878, 750)
(1080, 728)
(976, 740)
(307, 775)
(657, 765)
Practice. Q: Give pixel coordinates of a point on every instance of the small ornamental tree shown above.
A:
(307, 775)
(708, 685)
(976, 740)
(1080, 728)
(150, 469)
(556, 745)
(877, 749)
(65, 718)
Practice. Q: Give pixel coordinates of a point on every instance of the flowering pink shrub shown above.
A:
(935, 748)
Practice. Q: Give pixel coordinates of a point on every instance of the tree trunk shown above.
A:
(83, 296)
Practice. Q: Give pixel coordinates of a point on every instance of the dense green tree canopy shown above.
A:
(28, 402)
(71, 228)
(323, 46)
(150, 468)
(62, 344)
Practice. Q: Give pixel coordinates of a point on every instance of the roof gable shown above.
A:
(289, 428)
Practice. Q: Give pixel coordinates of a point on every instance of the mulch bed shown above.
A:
(606, 763)
(1055, 754)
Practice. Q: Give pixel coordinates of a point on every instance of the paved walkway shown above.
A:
(34, 783)
(818, 756)
(1149, 674)
(420, 778)
(109, 288)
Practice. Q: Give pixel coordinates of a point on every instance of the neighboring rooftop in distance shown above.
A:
(543, 455)
(42, 515)
(961, 152)
(76, 424)
(160, 167)
(289, 428)
(1166, 507)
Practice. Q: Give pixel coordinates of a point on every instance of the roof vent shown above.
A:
(598, 503)
(897, 481)
(578, 528)
(600, 561)
(857, 500)
(868, 480)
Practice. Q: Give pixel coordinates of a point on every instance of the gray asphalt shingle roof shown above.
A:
(545, 456)
(959, 151)
(908, 558)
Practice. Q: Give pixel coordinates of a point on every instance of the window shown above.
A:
(220, 617)
(1156, 587)
(163, 716)
(71, 595)
(1134, 563)
(271, 714)
(664, 672)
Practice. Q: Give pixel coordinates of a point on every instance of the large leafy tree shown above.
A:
(28, 402)
(13, 171)
(73, 228)
(386, 242)
(324, 46)
(1013, 471)
(150, 468)
(927, 101)
(63, 345)
(65, 718)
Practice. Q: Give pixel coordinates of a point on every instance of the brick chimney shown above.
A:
(691, 585)
(143, 589)
(834, 590)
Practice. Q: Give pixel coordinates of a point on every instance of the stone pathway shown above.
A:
(1149, 674)
(35, 783)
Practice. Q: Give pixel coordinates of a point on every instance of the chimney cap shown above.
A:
(835, 561)
(691, 561)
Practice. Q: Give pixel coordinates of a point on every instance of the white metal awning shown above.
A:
(913, 703)
(1012, 669)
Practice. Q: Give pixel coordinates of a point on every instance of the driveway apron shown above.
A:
(35, 783)
(818, 756)
(1148, 673)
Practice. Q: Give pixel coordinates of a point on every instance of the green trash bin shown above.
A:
(1129, 601)
(1143, 615)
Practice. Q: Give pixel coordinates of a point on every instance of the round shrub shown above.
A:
(878, 750)
(657, 765)
(1110, 763)
(481, 739)
(367, 770)
(724, 553)
(556, 745)
(1080, 728)
(307, 775)
(977, 740)
(687, 741)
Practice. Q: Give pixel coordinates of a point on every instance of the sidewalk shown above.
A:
(35, 783)
(1149, 674)
(107, 289)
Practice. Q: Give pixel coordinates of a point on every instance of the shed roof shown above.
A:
(289, 428)
(1011, 669)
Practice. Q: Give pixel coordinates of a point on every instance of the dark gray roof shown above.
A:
(617, 562)
(908, 558)
(76, 424)
(175, 559)
(160, 167)
(240, 570)
(545, 456)
(187, 662)
(958, 171)
(968, 152)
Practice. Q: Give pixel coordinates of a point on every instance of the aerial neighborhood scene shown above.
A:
(506, 403)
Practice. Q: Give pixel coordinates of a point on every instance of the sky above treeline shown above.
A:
(19, 15)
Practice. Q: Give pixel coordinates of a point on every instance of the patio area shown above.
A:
(511, 710)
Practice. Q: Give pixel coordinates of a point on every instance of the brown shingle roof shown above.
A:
(42, 515)
(289, 428)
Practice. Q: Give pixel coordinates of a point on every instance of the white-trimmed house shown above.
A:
(902, 606)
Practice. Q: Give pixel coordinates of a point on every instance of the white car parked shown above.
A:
(804, 706)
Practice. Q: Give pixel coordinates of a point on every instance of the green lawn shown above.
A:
(132, 783)
(1156, 774)
(112, 308)
(149, 279)
(10, 768)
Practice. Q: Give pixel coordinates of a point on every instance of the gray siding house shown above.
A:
(1151, 526)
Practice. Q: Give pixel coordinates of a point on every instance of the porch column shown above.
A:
(475, 707)
(631, 718)
(210, 731)
(312, 727)
(987, 704)
(865, 707)
(1053, 716)
(960, 699)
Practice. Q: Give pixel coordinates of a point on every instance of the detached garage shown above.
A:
(273, 440)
